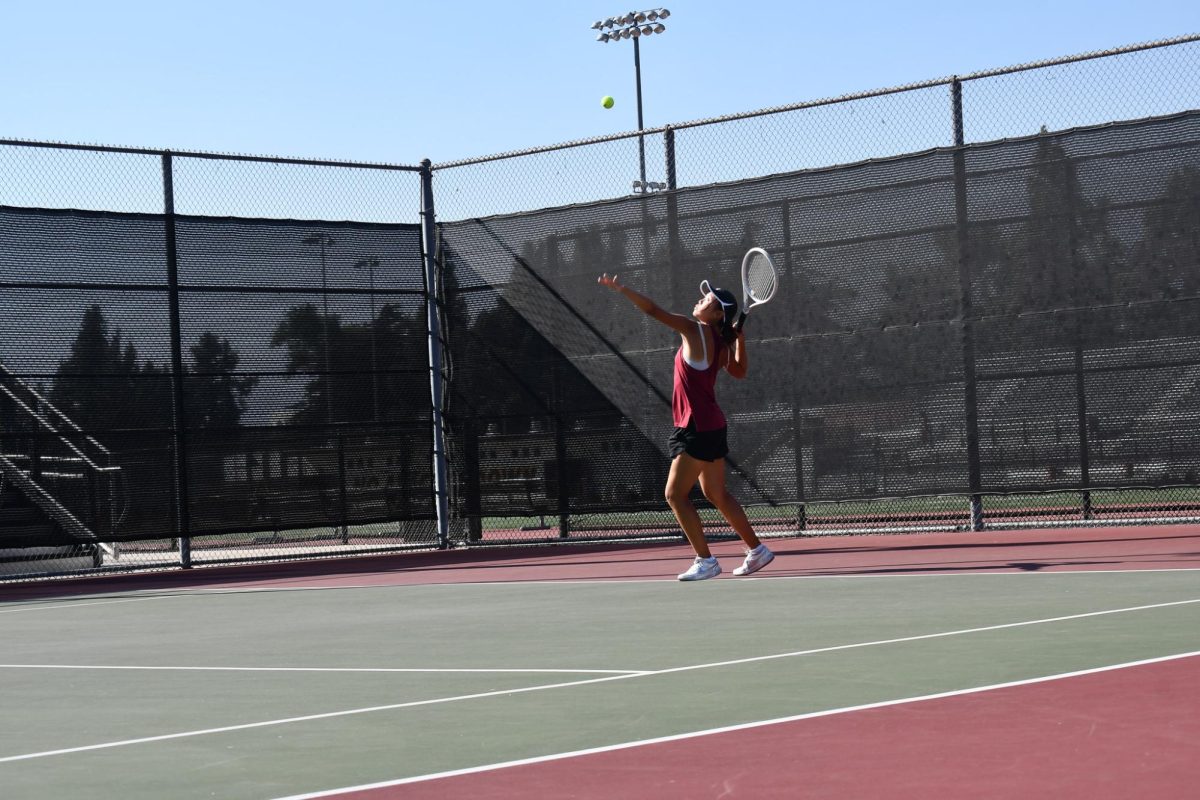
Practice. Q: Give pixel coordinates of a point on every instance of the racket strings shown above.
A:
(760, 278)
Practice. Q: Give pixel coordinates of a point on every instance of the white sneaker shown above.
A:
(756, 559)
(701, 569)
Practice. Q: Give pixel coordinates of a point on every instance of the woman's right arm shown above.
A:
(676, 322)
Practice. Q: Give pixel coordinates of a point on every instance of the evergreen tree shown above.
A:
(101, 385)
(216, 398)
(1168, 259)
(1069, 253)
(386, 355)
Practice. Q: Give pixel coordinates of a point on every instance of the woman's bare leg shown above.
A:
(684, 472)
(712, 483)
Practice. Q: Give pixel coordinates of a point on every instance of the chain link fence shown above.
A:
(214, 358)
(1155, 79)
(987, 320)
(970, 266)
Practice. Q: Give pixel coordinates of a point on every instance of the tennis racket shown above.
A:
(758, 282)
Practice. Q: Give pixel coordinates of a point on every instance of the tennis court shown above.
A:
(1037, 663)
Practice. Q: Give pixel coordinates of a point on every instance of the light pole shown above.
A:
(325, 241)
(371, 263)
(634, 25)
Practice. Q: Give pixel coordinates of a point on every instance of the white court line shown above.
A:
(756, 578)
(72, 605)
(324, 669)
(648, 673)
(732, 728)
(288, 720)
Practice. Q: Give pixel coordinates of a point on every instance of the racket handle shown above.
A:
(741, 320)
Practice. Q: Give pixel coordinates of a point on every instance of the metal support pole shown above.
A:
(433, 321)
(474, 502)
(343, 500)
(669, 146)
(564, 475)
(374, 348)
(178, 417)
(798, 460)
(974, 471)
(637, 68)
(790, 269)
(674, 245)
(325, 336)
(1085, 476)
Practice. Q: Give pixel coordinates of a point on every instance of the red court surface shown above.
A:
(1124, 733)
(1050, 550)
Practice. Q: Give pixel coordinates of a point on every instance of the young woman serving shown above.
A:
(710, 343)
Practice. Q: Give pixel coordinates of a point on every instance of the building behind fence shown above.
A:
(987, 316)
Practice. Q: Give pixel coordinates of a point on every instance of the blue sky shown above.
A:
(398, 81)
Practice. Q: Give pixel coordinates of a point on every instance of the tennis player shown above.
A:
(698, 445)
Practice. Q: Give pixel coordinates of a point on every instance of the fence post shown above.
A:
(178, 417)
(1085, 477)
(471, 488)
(790, 269)
(564, 489)
(556, 417)
(974, 473)
(434, 325)
(1081, 303)
(673, 244)
(798, 444)
(669, 144)
(343, 500)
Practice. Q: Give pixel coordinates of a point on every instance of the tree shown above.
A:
(1070, 254)
(396, 359)
(401, 364)
(101, 386)
(215, 397)
(1063, 255)
(301, 332)
(1168, 258)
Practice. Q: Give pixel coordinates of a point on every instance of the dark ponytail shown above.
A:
(728, 332)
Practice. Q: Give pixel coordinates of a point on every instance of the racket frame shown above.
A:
(748, 300)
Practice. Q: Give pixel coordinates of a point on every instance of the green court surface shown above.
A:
(275, 692)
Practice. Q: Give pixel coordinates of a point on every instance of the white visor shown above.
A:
(706, 290)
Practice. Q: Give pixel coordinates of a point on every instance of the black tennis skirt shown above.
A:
(704, 445)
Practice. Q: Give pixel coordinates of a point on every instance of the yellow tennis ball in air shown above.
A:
(607, 101)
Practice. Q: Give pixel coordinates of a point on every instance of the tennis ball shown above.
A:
(607, 101)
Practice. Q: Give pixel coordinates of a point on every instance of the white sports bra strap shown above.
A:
(702, 364)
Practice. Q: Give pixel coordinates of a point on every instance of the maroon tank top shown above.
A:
(694, 398)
